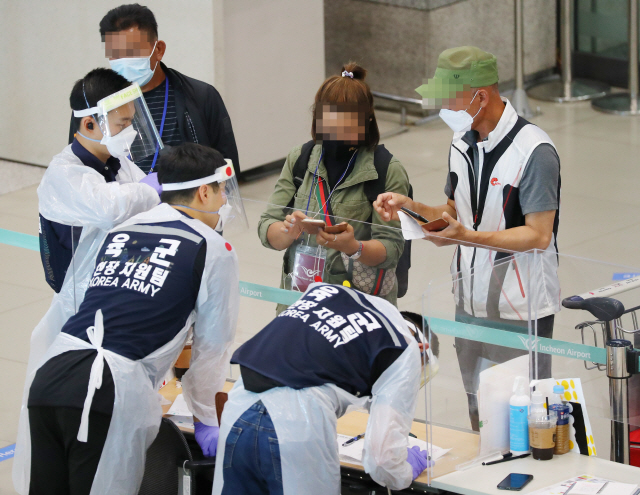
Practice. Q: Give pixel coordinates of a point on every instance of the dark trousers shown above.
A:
(474, 357)
(252, 455)
(60, 465)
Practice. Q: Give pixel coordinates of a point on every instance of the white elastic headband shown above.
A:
(110, 102)
(222, 174)
(86, 112)
(417, 331)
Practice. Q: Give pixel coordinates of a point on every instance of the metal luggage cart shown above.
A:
(616, 325)
(597, 327)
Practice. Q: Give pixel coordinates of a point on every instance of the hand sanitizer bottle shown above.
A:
(518, 413)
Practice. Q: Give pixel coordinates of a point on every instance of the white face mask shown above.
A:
(135, 69)
(459, 121)
(223, 212)
(120, 144)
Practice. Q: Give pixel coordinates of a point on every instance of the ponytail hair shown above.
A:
(348, 89)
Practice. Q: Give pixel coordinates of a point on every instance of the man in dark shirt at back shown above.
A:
(183, 109)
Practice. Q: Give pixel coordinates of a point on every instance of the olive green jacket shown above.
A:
(348, 202)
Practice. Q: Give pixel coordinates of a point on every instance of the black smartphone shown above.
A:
(515, 482)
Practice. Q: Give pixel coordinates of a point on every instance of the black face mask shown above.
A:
(338, 151)
(336, 158)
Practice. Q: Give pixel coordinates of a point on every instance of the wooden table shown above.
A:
(480, 480)
(464, 445)
(170, 392)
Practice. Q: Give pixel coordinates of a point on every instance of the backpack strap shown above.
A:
(300, 168)
(381, 160)
(373, 188)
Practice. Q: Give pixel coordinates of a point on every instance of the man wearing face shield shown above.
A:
(92, 185)
(91, 409)
(503, 192)
(334, 348)
(183, 108)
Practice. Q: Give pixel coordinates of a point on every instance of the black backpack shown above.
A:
(372, 188)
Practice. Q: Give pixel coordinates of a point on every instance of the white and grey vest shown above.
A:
(488, 283)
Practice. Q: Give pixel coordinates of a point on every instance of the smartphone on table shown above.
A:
(515, 482)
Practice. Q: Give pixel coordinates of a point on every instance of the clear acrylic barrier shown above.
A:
(577, 342)
(528, 294)
(261, 269)
(444, 401)
(485, 342)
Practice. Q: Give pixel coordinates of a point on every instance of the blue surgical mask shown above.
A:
(135, 69)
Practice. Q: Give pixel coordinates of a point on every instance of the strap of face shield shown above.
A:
(417, 333)
(222, 174)
(87, 111)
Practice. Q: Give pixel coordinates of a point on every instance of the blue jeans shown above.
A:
(252, 455)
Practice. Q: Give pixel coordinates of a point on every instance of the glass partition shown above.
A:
(527, 307)
(443, 297)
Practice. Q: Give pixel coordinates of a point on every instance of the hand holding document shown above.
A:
(410, 227)
(415, 226)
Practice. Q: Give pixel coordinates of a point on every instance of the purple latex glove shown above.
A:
(152, 180)
(419, 460)
(207, 438)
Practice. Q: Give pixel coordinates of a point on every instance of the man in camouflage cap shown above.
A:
(503, 193)
(459, 70)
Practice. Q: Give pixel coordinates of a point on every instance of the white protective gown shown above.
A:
(305, 422)
(73, 194)
(137, 412)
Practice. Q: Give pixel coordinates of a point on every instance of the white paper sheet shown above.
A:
(612, 488)
(410, 227)
(352, 453)
(586, 488)
(179, 407)
(179, 413)
(434, 451)
(494, 391)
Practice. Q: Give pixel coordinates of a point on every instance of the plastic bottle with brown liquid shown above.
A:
(562, 426)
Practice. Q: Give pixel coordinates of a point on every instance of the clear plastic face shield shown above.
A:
(230, 207)
(125, 122)
(428, 359)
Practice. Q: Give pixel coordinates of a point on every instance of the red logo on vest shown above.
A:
(494, 182)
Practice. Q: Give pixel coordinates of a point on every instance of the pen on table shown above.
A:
(505, 459)
(504, 456)
(354, 439)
